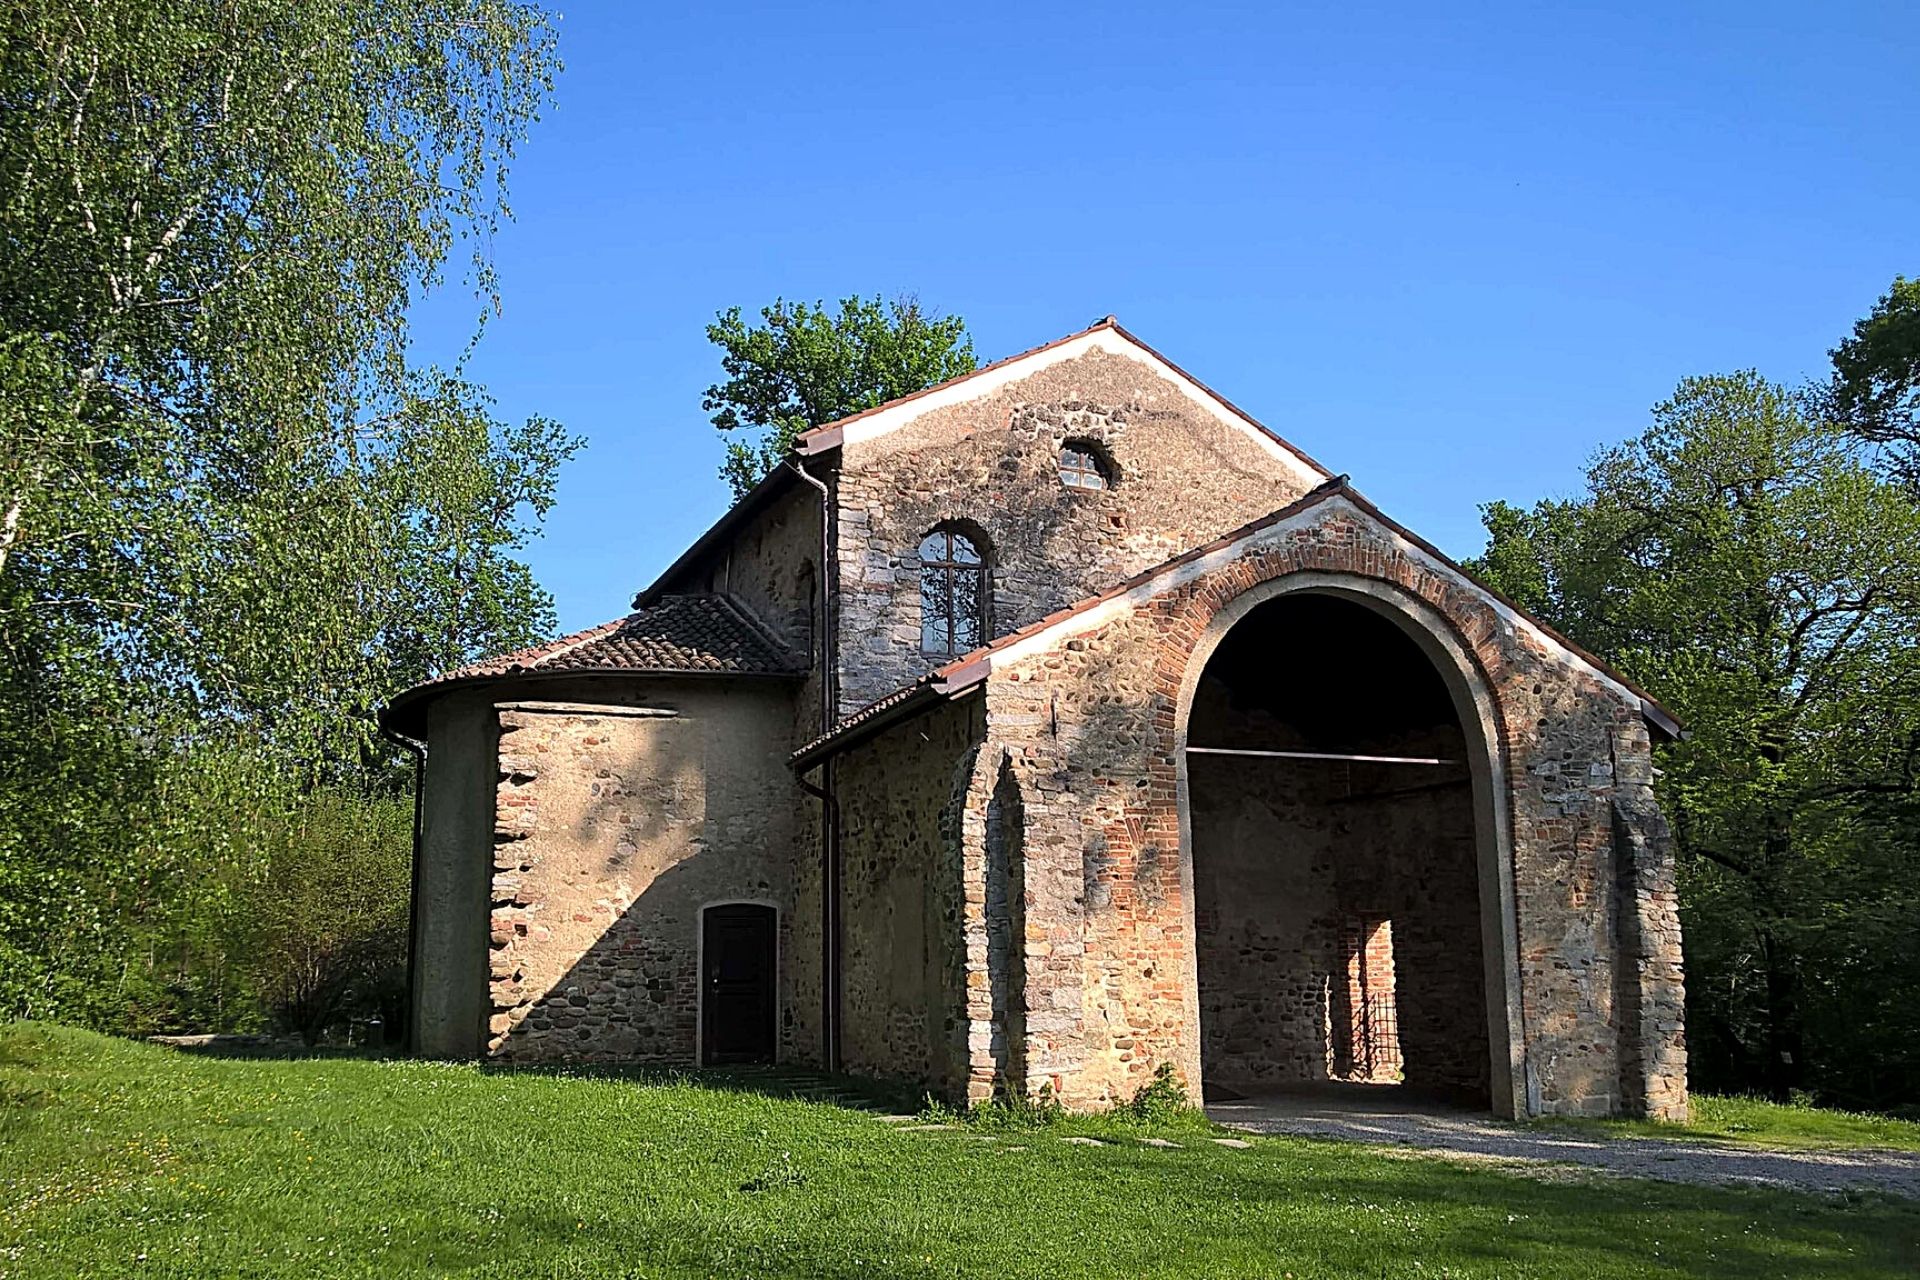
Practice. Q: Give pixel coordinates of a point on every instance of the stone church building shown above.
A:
(1039, 729)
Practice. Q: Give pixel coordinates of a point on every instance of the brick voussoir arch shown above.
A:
(1189, 611)
(1464, 637)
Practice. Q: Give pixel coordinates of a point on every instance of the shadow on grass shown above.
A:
(738, 1195)
(1650, 1227)
(1155, 1215)
(787, 1083)
(256, 1048)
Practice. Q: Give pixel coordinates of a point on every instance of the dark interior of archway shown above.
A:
(1336, 902)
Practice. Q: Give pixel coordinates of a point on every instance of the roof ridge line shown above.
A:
(534, 654)
(831, 435)
(1311, 461)
(1312, 497)
(737, 511)
(782, 476)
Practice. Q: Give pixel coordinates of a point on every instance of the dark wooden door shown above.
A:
(737, 1009)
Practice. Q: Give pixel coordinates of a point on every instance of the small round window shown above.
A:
(1083, 468)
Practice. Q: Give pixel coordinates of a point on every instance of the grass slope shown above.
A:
(1754, 1122)
(119, 1159)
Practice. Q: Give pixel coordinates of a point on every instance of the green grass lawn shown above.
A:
(1772, 1124)
(120, 1159)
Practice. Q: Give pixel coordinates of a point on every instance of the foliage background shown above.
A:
(804, 365)
(234, 513)
(1753, 559)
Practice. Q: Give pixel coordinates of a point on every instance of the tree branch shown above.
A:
(1731, 863)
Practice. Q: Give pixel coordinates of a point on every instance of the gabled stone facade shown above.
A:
(1180, 476)
(1246, 780)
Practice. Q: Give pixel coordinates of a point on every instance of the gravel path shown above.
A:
(1476, 1136)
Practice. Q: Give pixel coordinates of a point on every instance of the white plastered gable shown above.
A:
(1106, 337)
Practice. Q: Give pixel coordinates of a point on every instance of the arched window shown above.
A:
(1083, 465)
(953, 593)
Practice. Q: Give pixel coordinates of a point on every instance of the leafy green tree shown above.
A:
(803, 366)
(361, 577)
(462, 494)
(325, 920)
(1875, 389)
(232, 515)
(217, 217)
(1746, 563)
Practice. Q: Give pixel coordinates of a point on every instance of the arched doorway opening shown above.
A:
(1336, 806)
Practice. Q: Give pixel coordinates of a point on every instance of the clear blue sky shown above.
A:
(1448, 253)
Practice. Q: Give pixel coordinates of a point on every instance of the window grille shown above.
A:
(1081, 468)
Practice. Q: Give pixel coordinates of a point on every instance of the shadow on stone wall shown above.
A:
(612, 836)
(631, 996)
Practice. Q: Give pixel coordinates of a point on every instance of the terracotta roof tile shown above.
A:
(682, 634)
(922, 689)
(675, 633)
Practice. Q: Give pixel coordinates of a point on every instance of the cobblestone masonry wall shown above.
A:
(1002, 924)
(1181, 476)
(1295, 856)
(613, 828)
(906, 979)
(800, 937)
(1653, 1059)
(1265, 924)
(1091, 723)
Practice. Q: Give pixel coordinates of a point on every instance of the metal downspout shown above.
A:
(830, 951)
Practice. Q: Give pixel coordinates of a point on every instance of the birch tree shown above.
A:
(233, 515)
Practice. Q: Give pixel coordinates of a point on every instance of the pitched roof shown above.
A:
(1105, 334)
(875, 716)
(968, 671)
(704, 635)
(829, 434)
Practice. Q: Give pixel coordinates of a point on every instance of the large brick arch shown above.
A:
(1580, 940)
(1344, 548)
(1389, 587)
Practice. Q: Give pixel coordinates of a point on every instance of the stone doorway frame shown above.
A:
(1474, 704)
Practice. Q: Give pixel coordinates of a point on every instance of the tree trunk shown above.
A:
(1786, 1059)
(1785, 1064)
(10, 526)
